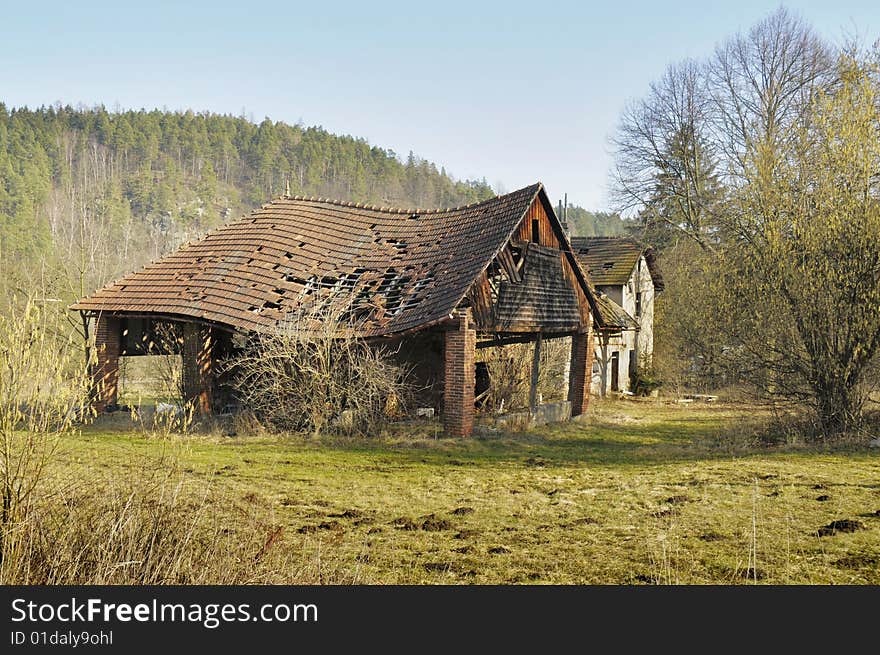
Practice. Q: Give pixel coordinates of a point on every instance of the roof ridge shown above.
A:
(395, 210)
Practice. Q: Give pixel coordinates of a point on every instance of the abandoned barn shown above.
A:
(435, 284)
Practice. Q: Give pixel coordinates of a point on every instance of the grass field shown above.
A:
(641, 492)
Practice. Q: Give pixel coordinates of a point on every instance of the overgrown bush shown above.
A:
(645, 380)
(44, 390)
(315, 374)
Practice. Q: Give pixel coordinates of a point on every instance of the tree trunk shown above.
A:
(837, 405)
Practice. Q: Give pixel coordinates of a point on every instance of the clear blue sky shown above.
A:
(514, 92)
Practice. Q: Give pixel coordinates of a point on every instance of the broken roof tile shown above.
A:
(337, 244)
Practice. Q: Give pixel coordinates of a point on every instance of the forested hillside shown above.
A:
(87, 194)
(584, 223)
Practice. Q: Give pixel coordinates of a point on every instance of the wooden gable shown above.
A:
(531, 284)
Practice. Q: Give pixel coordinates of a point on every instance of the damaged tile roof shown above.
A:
(611, 260)
(402, 269)
(613, 317)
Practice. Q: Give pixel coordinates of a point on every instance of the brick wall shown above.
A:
(580, 372)
(105, 376)
(458, 376)
(198, 373)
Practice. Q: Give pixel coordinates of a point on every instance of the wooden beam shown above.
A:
(536, 370)
(521, 337)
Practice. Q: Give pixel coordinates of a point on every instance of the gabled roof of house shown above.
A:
(611, 260)
(402, 268)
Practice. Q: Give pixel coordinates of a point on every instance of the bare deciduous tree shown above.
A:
(665, 163)
(762, 84)
(789, 133)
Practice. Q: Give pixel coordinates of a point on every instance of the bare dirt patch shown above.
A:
(326, 525)
(432, 523)
(405, 523)
(710, 536)
(842, 525)
(859, 561)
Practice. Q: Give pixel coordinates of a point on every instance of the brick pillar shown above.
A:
(459, 376)
(198, 373)
(580, 372)
(105, 375)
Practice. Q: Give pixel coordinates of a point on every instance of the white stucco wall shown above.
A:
(640, 342)
(621, 344)
(641, 281)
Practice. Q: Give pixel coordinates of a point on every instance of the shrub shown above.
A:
(315, 374)
(43, 394)
(510, 370)
(645, 380)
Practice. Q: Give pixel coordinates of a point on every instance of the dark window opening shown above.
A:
(615, 371)
(639, 304)
(536, 231)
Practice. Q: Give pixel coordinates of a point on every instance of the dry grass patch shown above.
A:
(638, 493)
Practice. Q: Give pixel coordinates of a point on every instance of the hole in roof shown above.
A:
(608, 265)
(414, 216)
(271, 305)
